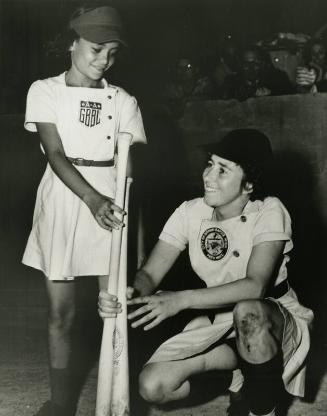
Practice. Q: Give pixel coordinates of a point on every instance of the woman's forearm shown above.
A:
(221, 296)
(143, 284)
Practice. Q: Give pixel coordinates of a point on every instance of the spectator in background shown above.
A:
(257, 77)
(312, 76)
(227, 63)
(185, 84)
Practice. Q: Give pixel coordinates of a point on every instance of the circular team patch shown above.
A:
(214, 243)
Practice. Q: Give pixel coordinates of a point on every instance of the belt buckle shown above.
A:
(79, 161)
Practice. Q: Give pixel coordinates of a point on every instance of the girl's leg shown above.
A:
(61, 296)
(167, 381)
(259, 328)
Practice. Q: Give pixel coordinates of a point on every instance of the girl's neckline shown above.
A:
(102, 83)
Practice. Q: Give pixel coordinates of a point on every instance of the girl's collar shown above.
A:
(104, 82)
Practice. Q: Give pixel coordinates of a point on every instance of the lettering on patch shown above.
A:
(214, 243)
(90, 113)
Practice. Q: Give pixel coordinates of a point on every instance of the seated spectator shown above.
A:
(184, 85)
(312, 77)
(257, 77)
(227, 63)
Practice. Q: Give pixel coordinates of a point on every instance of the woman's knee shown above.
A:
(255, 330)
(151, 384)
(249, 312)
(250, 318)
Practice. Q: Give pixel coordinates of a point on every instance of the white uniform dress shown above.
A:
(66, 241)
(219, 252)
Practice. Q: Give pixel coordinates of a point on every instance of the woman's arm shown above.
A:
(147, 279)
(264, 260)
(101, 206)
(160, 261)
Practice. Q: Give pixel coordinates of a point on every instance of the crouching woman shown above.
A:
(239, 243)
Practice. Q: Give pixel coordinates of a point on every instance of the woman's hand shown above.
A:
(108, 305)
(155, 308)
(103, 209)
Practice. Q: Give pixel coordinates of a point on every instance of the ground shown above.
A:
(24, 384)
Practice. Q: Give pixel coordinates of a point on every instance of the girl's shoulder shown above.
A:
(48, 83)
(121, 93)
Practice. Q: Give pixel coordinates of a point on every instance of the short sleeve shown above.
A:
(40, 105)
(273, 223)
(175, 231)
(131, 119)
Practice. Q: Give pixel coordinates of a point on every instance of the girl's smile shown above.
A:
(90, 61)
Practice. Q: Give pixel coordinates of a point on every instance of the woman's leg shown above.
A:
(61, 296)
(163, 382)
(259, 329)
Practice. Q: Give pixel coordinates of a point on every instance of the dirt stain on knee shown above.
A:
(248, 324)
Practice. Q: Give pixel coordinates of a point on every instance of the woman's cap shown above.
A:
(244, 147)
(99, 25)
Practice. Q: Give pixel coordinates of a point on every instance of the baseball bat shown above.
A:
(120, 382)
(109, 339)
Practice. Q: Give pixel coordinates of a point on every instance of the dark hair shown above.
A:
(256, 177)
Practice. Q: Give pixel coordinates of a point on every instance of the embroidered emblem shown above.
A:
(214, 243)
(90, 113)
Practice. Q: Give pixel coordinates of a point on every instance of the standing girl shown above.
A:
(78, 116)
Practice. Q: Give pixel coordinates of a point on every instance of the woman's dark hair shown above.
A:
(256, 177)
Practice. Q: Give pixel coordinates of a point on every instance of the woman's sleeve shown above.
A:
(131, 119)
(175, 231)
(273, 224)
(40, 106)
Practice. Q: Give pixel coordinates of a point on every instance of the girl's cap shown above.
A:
(99, 25)
(244, 147)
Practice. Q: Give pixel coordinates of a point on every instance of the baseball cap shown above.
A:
(244, 147)
(99, 25)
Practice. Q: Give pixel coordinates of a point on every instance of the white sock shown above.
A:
(237, 381)
(272, 413)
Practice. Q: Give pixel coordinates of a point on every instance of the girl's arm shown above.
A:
(100, 205)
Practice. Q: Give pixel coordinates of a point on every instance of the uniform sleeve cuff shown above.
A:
(167, 238)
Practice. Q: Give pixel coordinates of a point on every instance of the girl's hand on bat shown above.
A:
(155, 309)
(108, 305)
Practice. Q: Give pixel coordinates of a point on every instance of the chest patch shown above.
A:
(89, 113)
(214, 243)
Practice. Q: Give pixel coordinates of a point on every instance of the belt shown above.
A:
(79, 161)
(279, 290)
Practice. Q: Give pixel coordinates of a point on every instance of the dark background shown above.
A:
(158, 30)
